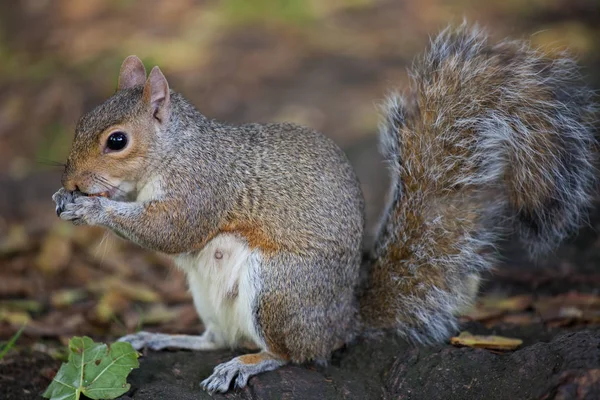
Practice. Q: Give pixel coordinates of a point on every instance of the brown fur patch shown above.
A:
(275, 348)
(255, 234)
(257, 358)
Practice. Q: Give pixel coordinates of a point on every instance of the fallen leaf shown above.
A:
(21, 305)
(67, 297)
(133, 291)
(94, 369)
(482, 314)
(485, 342)
(55, 253)
(15, 317)
(495, 307)
(514, 303)
(16, 240)
(158, 314)
(519, 319)
(110, 304)
(567, 308)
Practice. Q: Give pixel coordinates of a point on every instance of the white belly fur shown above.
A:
(215, 282)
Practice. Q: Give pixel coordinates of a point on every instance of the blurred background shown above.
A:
(321, 63)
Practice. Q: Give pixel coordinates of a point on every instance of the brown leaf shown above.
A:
(110, 304)
(16, 240)
(482, 314)
(133, 291)
(158, 314)
(568, 307)
(485, 342)
(21, 305)
(519, 319)
(515, 303)
(55, 253)
(67, 297)
(15, 318)
(494, 307)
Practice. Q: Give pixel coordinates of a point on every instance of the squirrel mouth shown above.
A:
(100, 194)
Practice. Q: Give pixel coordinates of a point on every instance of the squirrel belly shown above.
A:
(224, 279)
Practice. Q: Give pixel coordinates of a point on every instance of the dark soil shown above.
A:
(25, 375)
(567, 367)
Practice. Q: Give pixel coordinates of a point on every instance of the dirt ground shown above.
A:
(324, 66)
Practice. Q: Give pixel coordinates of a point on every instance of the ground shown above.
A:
(324, 67)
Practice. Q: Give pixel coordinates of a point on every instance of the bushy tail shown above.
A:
(491, 136)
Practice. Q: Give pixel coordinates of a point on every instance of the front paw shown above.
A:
(63, 197)
(84, 210)
(151, 340)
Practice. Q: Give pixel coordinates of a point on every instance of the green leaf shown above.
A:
(94, 369)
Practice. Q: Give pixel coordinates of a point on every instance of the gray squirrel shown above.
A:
(267, 220)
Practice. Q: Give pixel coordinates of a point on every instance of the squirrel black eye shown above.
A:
(116, 141)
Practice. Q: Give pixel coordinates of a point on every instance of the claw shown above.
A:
(241, 369)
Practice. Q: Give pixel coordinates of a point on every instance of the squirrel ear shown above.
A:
(132, 73)
(157, 95)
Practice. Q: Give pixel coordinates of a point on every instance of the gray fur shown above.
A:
(481, 122)
(502, 132)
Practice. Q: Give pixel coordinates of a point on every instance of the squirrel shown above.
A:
(267, 220)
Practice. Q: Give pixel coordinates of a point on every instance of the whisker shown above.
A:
(103, 246)
(107, 185)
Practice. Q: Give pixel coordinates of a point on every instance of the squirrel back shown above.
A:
(490, 137)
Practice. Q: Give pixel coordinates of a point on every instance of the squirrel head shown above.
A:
(114, 143)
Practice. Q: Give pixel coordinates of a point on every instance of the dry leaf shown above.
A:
(67, 297)
(158, 314)
(110, 304)
(54, 254)
(16, 240)
(21, 305)
(15, 317)
(482, 314)
(567, 308)
(485, 342)
(133, 291)
(514, 303)
(520, 319)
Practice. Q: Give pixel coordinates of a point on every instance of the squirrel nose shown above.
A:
(69, 184)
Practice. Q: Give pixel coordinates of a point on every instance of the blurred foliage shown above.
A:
(54, 144)
(283, 11)
(241, 60)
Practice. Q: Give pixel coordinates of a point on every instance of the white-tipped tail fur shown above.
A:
(491, 137)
